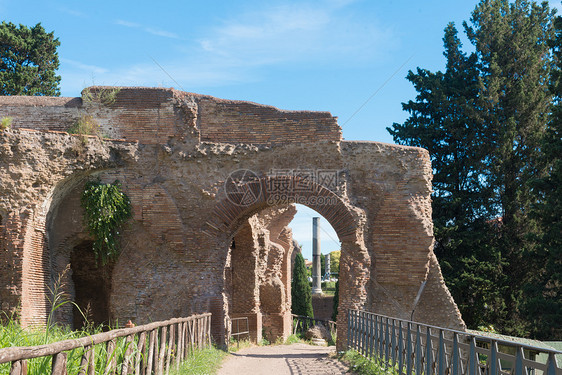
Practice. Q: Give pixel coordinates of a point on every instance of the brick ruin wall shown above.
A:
(173, 153)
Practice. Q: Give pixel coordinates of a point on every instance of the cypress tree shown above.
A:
(336, 302)
(301, 290)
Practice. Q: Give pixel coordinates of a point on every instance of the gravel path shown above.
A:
(292, 359)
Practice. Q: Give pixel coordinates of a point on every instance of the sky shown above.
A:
(348, 57)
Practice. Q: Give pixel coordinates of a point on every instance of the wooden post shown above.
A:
(170, 347)
(162, 351)
(128, 355)
(151, 354)
(59, 364)
(140, 349)
(19, 367)
(179, 355)
(111, 360)
(87, 364)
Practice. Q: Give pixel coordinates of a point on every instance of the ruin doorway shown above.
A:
(92, 287)
(329, 247)
(259, 270)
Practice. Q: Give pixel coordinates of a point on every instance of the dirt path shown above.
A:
(292, 359)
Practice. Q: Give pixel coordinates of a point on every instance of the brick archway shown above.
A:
(348, 222)
(228, 213)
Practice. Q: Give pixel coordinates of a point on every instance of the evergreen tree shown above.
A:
(336, 301)
(28, 61)
(512, 43)
(301, 290)
(482, 122)
(543, 288)
(446, 120)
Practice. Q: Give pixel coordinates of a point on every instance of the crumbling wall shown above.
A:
(176, 251)
(37, 169)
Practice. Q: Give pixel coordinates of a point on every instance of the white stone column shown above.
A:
(316, 277)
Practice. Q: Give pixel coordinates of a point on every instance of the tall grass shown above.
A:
(201, 362)
(11, 334)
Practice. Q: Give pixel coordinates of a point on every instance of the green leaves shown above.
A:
(106, 208)
(482, 121)
(28, 61)
(300, 289)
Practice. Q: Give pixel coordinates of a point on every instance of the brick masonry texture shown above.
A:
(191, 246)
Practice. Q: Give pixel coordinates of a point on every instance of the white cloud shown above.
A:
(296, 32)
(72, 12)
(236, 50)
(148, 29)
(82, 66)
(127, 23)
(158, 32)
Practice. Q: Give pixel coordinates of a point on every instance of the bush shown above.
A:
(365, 366)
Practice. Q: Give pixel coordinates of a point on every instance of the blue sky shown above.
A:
(328, 55)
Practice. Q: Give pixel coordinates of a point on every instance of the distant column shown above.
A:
(316, 277)
(328, 271)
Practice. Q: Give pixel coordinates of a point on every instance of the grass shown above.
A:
(5, 123)
(236, 345)
(202, 362)
(293, 339)
(364, 366)
(11, 334)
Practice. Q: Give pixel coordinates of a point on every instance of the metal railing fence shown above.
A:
(147, 349)
(415, 348)
(238, 327)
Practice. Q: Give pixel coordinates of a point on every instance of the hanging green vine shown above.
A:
(106, 208)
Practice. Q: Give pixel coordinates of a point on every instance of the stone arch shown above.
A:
(228, 213)
(348, 221)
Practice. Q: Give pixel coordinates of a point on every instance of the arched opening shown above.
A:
(258, 272)
(329, 247)
(257, 197)
(92, 287)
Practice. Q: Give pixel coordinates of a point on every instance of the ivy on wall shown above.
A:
(106, 208)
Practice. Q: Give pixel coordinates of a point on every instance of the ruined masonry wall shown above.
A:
(154, 116)
(179, 150)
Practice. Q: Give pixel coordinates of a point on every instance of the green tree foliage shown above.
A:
(301, 290)
(512, 41)
(28, 61)
(106, 209)
(543, 290)
(335, 260)
(482, 122)
(336, 301)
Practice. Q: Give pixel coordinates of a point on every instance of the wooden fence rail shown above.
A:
(415, 348)
(145, 350)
